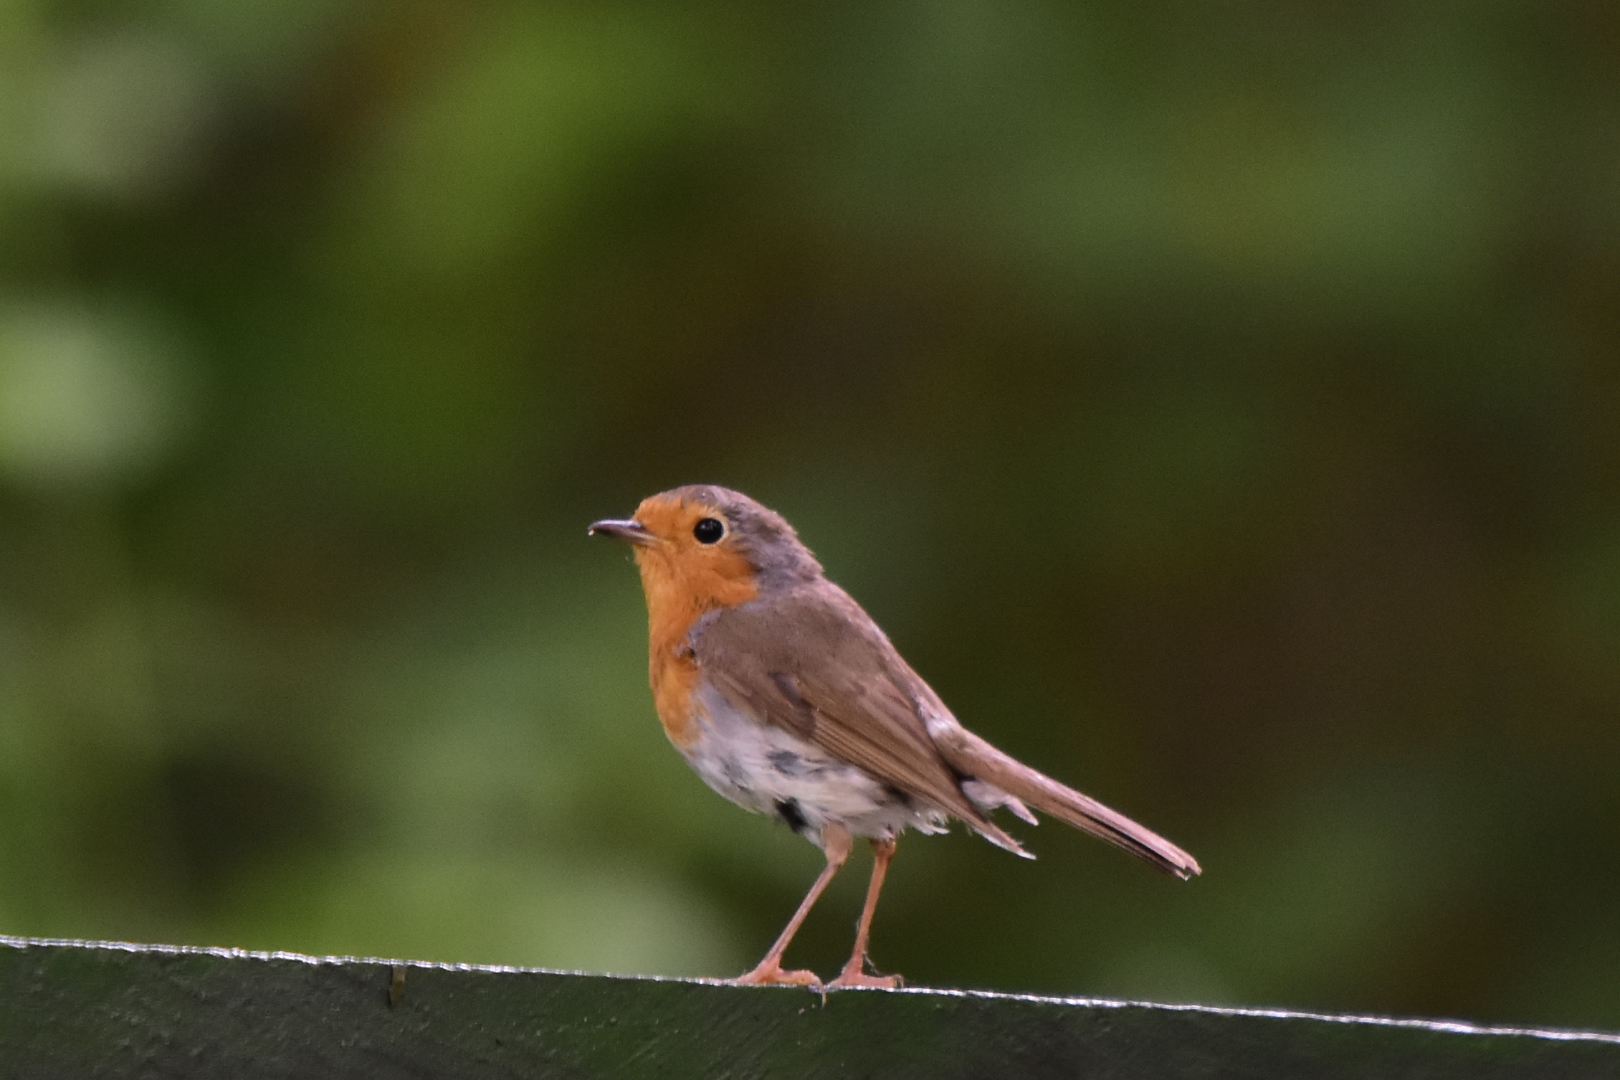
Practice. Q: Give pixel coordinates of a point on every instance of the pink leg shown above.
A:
(854, 973)
(835, 842)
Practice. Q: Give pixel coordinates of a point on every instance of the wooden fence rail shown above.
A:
(73, 1009)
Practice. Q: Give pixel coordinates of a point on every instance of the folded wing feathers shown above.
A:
(972, 756)
(795, 662)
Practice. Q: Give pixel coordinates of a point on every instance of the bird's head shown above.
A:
(705, 546)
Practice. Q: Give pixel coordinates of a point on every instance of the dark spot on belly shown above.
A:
(788, 810)
(736, 775)
(896, 795)
(786, 762)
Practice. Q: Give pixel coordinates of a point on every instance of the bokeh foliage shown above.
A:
(1219, 404)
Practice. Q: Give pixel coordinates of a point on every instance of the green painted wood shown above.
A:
(88, 1009)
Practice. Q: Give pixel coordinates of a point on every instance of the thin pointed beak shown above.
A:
(631, 531)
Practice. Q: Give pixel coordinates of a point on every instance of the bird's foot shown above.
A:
(771, 973)
(853, 975)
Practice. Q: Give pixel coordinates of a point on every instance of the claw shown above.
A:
(854, 975)
(772, 974)
(862, 979)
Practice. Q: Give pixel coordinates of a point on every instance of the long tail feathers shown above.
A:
(973, 757)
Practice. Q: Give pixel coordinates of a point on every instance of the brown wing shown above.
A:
(812, 662)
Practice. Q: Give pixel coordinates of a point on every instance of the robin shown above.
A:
(786, 698)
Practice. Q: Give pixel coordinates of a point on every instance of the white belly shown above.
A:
(769, 770)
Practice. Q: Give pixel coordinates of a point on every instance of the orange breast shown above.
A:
(679, 592)
(674, 678)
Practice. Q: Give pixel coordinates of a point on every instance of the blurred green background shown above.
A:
(1218, 404)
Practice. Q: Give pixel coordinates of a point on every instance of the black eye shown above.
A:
(709, 530)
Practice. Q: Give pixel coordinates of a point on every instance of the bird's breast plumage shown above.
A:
(769, 769)
(678, 595)
(674, 678)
